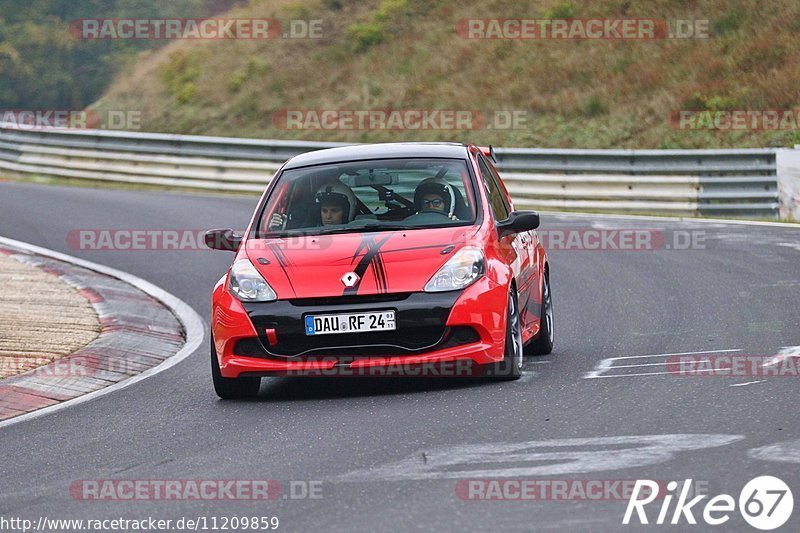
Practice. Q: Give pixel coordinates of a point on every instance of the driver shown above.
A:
(336, 204)
(434, 194)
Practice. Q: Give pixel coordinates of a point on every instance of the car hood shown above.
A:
(384, 262)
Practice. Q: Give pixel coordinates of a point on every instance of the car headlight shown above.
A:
(248, 285)
(460, 271)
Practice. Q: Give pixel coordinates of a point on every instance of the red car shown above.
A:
(382, 259)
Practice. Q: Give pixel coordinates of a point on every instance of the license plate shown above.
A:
(350, 323)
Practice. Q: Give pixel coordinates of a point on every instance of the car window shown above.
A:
(499, 182)
(497, 199)
(376, 195)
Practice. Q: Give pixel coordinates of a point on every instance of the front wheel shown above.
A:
(231, 388)
(510, 368)
(543, 343)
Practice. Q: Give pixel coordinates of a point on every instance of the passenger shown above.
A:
(434, 194)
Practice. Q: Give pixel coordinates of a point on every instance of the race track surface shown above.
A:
(390, 453)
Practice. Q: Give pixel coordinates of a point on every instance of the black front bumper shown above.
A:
(420, 319)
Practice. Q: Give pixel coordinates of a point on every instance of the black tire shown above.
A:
(231, 388)
(510, 368)
(543, 343)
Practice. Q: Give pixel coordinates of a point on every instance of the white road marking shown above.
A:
(539, 458)
(606, 365)
(783, 452)
(601, 367)
(673, 354)
(785, 352)
(654, 364)
(792, 245)
(637, 374)
(192, 322)
(748, 383)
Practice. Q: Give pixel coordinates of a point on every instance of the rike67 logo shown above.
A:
(765, 503)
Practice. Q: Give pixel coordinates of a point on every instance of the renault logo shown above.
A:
(350, 279)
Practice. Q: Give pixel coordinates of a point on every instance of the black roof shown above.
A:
(379, 151)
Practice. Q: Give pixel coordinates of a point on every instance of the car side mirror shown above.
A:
(223, 239)
(517, 222)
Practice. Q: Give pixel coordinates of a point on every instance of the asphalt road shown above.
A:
(390, 453)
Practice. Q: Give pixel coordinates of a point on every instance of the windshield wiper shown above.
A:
(372, 226)
(385, 225)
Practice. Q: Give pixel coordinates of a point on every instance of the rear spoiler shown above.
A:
(488, 151)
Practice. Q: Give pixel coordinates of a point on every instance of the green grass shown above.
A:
(406, 54)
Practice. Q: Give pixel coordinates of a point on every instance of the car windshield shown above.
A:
(375, 195)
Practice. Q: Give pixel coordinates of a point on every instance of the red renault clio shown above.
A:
(366, 258)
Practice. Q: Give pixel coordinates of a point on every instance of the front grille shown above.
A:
(452, 336)
(395, 342)
(420, 319)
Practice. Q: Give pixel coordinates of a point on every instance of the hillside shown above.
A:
(407, 55)
(43, 66)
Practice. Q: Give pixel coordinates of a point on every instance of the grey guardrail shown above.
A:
(712, 182)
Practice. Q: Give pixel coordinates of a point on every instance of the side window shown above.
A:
(499, 183)
(497, 199)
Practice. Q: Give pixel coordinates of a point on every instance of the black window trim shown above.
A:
(495, 179)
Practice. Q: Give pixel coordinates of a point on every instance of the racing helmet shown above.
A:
(341, 195)
(439, 187)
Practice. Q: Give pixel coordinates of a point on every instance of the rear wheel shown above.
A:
(510, 367)
(543, 344)
(231, 388)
